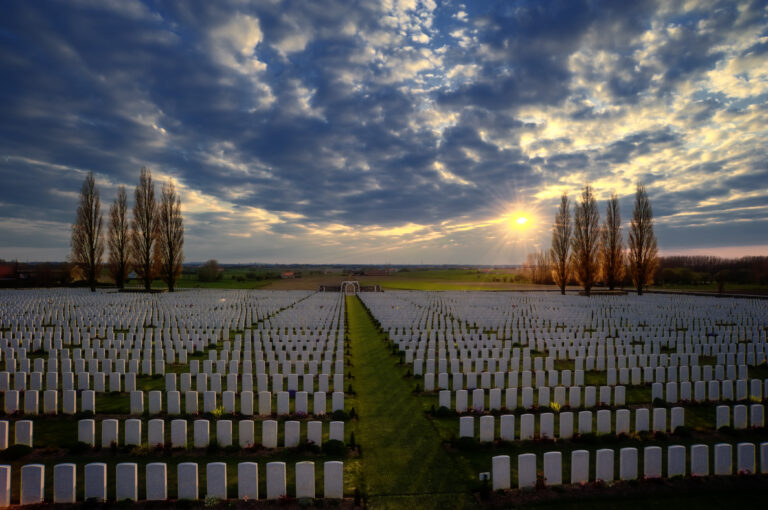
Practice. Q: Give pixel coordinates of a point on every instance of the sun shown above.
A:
(519, 221)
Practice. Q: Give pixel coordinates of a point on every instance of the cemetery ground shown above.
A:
(453, 477)
(402, 449)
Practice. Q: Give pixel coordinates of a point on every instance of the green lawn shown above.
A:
(404, 464)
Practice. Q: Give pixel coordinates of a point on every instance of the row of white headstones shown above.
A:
(604, 470)
(65, 481)
(229, 402)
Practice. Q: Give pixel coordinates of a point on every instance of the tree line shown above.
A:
(698, 270)
(151, 243)
(590, 252)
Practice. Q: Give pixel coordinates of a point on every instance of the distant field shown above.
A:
(438, 280)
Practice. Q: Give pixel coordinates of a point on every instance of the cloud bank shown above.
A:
(398, 131)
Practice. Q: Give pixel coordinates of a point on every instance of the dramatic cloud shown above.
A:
(386, 131)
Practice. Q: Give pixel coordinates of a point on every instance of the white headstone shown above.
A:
(5, 486)
(507, 427)
(137, 402)
(305, 479)
(109, 432)
(315, 432)
(723, 459)
(745, 458)
(526, 470)
(292, 433)
(275, 480)
(178, 433)
(156, 433)
(628, 464)
(132, 432)
(579, 466)
(603, 422)
(333, 479)
(246, 403)
(336, 431)
(95, 481)
(700, 460)
(224, 432)
(173, 402)
(547, 426)
(246, 436)
(740, 417)
(269, 434)
(652, 462)
(126, 477)
(64, 483)
(604, 464)
(216, 480)
(487, 427)
(553, 468)
(585, 422)
(86, 432)
(642, 420)
(500, 472)
(675, 461)
(764, 458)
(202, 433)
(190, 402)
(187, 480)
(155, 402)
(157, 481)
(32, 484)
(461, 401)
(337, 401)
(527, 426)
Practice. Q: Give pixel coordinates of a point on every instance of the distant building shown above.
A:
(287, 274)
(376, 272)
(9, 271)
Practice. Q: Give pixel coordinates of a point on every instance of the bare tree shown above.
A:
(170, 236)
(543, 267)
(561, 243)
(143, 229)
(118, 235)
(87, 238)
(584, 244)
(612, 245)
(643, 249)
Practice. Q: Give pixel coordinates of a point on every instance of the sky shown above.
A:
(386, 132)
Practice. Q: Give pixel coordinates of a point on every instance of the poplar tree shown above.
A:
(612, 245)
(643, 249)
(143, 229)
(118, 236)
(584, 244)
(170, 236)
(561, 243)
(87, 237)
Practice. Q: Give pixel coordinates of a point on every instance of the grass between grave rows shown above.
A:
(404, 464)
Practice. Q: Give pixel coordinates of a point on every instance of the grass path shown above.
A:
(404, 464)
